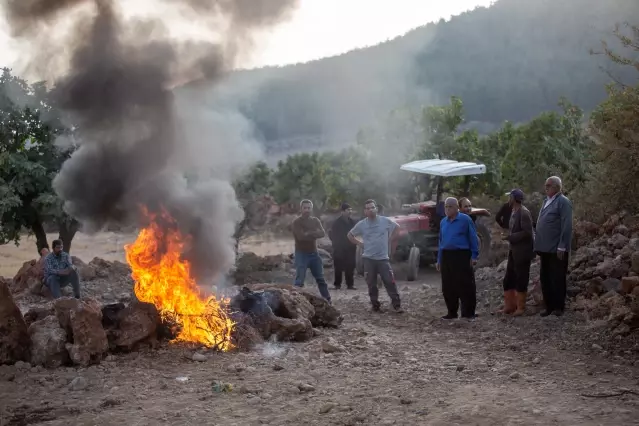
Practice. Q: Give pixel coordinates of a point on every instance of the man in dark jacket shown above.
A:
(552, 243)
(520, 256)
(343, 250)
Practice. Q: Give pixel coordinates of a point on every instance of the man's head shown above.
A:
(451, 205)
(57, 246)
(346, 209)
(465, 206)
(370, 209)
(306, 207)
(515, 197)
(553, 186)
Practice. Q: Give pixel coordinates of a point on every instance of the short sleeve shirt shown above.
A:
(375, 234)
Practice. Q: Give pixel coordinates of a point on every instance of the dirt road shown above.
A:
(377, 369)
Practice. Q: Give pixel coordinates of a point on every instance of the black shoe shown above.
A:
(449, 317)
(337, 287)
(377, 307)
(398, 309)
(351, 288)
(545, 313)
(558, 312)
(469, 317)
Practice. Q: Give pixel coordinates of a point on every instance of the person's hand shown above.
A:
(66, 271)
(438, 267)
(473, 262)
(561, 254)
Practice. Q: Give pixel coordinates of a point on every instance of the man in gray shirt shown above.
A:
(377, 232)
(552, 244)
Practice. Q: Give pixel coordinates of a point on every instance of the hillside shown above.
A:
(507, 62)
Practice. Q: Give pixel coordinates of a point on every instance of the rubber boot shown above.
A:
(510, 302)
(521, 304)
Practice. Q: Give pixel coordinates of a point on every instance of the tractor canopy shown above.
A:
(444, 168)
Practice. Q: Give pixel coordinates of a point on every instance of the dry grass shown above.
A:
(107, 245)
(110, 246)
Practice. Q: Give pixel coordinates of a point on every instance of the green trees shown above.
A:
(615, 128)
(29, 160)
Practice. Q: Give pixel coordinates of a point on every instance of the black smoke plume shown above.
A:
(118, 93)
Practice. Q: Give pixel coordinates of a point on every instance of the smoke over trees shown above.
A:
(116, 95)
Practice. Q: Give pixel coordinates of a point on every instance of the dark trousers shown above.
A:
(382, 267)
(458, 282)
(553, 280)
(344, 261)
(517, 274)
(56, 282)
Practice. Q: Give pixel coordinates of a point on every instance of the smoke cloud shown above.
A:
(137, 138)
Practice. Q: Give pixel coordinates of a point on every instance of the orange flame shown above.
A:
(164, 279)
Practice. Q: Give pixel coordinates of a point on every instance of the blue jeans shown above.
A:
(312, 261)
(56, 282)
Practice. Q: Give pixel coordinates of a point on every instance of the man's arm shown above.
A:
(355, 232)
(318, 232)
(298, 231)
(472, 239)
(526, 228)
(499, 218)
(565, 213)
(50, 267)
(439, 249)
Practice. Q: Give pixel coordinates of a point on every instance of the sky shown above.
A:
(319, 28)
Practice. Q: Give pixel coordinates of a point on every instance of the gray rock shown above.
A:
(199, 357)
(78, 384)
(305, 387)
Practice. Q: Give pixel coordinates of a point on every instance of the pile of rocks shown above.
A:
(81, 332)
(604, 272)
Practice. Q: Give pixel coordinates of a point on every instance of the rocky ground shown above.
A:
(401, 369)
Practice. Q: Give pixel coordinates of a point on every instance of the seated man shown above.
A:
(60, 272)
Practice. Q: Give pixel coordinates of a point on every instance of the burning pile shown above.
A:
(135, 102)
(163, 278)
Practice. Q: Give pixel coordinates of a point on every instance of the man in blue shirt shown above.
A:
(456, 258)
(60, 272)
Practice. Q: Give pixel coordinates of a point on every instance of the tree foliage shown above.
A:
(615, 127)
(29, 160)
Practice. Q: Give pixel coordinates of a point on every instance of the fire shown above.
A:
(164, 279)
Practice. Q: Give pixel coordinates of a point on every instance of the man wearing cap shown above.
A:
(503, 215)
(343, 250)
(552, 244)
(520, 255)
(456, 258)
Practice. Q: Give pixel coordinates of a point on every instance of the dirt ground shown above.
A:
(379, 369)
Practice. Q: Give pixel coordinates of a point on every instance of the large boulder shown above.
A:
(323, 315)
(136, 324)
(48, 343)
(284, 311)
(14, 336)
(82, 320)
(29, 277)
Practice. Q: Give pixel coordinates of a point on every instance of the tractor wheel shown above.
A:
(359, 263)
(413, 263)
(483, 235)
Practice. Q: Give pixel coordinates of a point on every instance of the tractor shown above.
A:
(418, 238)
